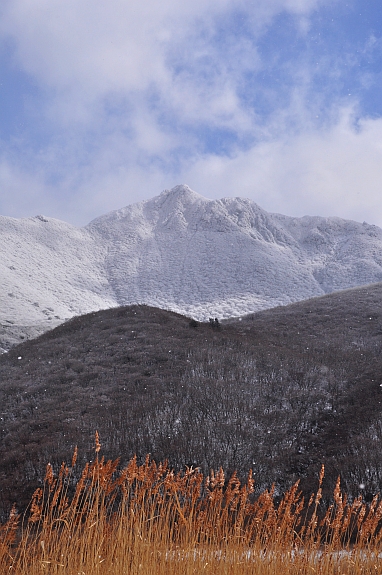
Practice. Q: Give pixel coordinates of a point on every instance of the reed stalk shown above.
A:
(147, 519)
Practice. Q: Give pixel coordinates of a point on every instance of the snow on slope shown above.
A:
(49, 272)
(202, 257)
(182, 252)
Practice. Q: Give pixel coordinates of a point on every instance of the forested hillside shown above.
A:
(281, 391)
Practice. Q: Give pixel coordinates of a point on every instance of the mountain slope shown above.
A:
(49, 272)
(177, 251)
(202, 257)
(283, 391)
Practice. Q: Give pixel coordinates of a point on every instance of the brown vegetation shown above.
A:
(146, 519)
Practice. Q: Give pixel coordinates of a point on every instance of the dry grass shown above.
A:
(146, 519)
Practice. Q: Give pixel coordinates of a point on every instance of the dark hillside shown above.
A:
(280, 391)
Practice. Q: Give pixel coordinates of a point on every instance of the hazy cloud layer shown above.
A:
(105, 104)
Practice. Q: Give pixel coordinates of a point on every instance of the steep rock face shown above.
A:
(178, 251)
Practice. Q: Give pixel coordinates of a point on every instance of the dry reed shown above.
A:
(146, 519)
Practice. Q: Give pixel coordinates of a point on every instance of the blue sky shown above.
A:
(106, 103)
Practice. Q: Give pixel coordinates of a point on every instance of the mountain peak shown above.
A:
(181, 190)
(180, 251)
(175, 200)
(180, 195)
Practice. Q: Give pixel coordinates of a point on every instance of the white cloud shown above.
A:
(127, 85)
(82, 53)
(23, 193)
(330, 171)
(324, 171)
(95, 47)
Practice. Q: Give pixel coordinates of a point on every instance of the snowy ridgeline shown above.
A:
(177, 251)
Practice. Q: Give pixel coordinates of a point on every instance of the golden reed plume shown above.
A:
(147, 519)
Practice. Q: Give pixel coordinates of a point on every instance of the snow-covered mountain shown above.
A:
(178, 251)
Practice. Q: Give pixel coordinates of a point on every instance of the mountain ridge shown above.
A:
(177, 251)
